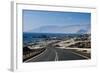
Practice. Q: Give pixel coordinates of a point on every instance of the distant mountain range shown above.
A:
(63, 29)
(82, 31)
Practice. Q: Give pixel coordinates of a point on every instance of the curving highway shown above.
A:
(56, 54)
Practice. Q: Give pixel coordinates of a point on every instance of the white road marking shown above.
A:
(56, 57)
(36, 56)
(81, 55)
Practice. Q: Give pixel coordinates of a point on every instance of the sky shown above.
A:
(34, 20)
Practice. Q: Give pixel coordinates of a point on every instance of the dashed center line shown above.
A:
(56, 57)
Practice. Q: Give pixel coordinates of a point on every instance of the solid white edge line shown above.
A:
(80, 55)
(36, 56)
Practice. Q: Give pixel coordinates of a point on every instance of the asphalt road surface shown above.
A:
(56, 54)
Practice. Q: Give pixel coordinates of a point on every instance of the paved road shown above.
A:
(56, 54)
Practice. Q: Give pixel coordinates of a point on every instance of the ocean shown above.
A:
(35, 37)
